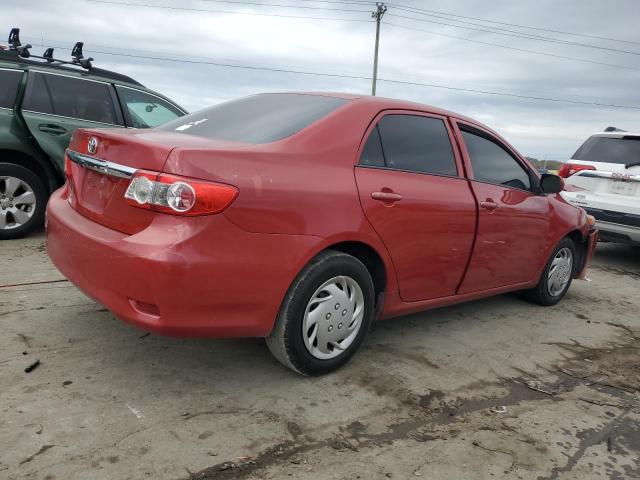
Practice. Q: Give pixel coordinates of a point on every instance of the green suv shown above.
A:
(42, 102)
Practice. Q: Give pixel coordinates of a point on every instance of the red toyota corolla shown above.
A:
(303, 217)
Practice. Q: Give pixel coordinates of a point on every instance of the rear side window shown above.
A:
(609, 150)
(37, 98)
(493, 164)
(10, 81)
(144, 110)
(372, 154)
(417, 144)
(261, 118)
(81, 99)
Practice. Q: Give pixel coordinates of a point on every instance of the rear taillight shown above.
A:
(166, 193)
(568, 169)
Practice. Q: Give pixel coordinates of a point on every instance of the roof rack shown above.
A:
(20, 53)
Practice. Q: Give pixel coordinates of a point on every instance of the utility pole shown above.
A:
(380, 11)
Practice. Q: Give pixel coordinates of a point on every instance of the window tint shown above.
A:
(258, 119)
(372, 152)
(9, 81)
(82, 99)
(37, 98)
(609, 150)
(492, 163)
(144, 110)
(418, 144)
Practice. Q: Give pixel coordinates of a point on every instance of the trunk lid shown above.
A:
(98, 193)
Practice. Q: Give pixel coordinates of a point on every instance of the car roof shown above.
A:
(618, 134)
(384, 103)
(10, 59)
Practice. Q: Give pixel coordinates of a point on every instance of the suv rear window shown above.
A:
(609, 150)
(10, 81)
(261, 118)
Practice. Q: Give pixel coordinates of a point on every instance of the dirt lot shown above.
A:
(109, 402)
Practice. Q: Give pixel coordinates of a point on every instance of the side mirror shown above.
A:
(551, 183)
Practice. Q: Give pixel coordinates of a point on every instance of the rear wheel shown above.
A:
(325, 315)
(23, 199)
(556, 276)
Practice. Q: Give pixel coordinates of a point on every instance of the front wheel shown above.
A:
(23, 199)
(325, 315)
(556, 276)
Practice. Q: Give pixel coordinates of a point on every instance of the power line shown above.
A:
(422, 11)
(484, 28)
(306, 7)
(482, 42)
(419, 10)
(511, 33)
(259, 14)
(550, 30)
(364, 77)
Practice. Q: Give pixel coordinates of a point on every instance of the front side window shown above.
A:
(263, 118)
(143, 110)
(417, 144)
(493, 164)
(81, 99)
(10, 81)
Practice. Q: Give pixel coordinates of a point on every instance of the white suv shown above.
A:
(603, 177)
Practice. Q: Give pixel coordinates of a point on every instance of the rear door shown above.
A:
(55, 105)
(10, 81)
(513, 219)
(415, 196)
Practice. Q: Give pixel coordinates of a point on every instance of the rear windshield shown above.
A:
(261, 118)
(609, 150)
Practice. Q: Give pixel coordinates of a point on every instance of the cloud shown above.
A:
(536, 128)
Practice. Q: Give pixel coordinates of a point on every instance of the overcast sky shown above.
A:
(252, 36)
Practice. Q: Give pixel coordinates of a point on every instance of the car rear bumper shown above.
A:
(616, 222)
(614, 232)
(199, 276)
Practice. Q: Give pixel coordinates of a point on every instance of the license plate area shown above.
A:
(621, 187)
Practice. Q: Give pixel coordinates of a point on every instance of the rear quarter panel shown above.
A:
(301, 185)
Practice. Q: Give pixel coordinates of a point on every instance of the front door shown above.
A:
(415, 197)
(513, 220)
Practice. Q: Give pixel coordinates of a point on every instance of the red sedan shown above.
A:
(303, 217)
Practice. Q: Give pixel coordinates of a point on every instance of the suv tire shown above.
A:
(23, 200)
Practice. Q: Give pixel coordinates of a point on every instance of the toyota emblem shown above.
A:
(92, 146)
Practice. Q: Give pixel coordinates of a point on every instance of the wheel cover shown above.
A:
(560, 272)
(333, 317)
(17, 202)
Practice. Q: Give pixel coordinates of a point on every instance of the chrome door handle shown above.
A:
(386, 196)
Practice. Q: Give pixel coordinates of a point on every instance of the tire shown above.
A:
(347, 282)
(23, 200)
(542, 293)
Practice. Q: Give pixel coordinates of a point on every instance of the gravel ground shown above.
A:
(496, 388)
